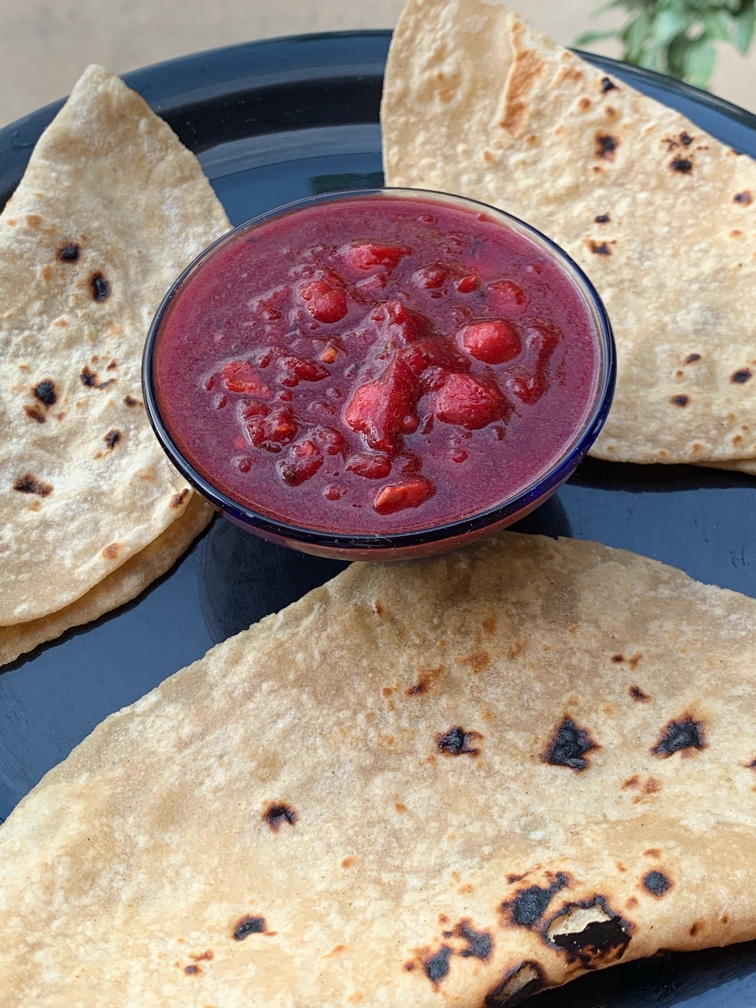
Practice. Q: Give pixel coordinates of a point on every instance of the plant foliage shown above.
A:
(679, 37)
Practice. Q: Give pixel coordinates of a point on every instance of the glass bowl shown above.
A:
(392, 542)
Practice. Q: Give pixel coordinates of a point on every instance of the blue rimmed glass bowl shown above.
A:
(392, 542)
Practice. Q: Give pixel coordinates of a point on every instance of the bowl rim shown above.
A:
(542, 486)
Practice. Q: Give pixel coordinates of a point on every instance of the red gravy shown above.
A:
(375, 365)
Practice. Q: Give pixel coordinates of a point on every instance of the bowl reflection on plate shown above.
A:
(395, 539)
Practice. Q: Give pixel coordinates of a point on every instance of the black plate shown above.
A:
(273, 121)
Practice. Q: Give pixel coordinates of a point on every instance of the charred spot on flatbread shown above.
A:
(607, 84)
(478, 944)
(692, 358)
(278, 813)
(69, 253)
(589, 932)
(112, 438)
(744, 198)
(602, 218)
(89, 379)
(436, 966)
(638, 695)
(741, 376)
(45, 392)
(606, 146)
(680, 400)
(518, 983)
(247, 926)
(458, 742)
(470, 943)
(682, 165)
(130, 401)
(656, 883)
(599, 248)
(685, 734)
(569, 745)
(100, 287)
(28, 483)
(528, 905)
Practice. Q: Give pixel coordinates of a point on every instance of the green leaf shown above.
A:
(668, 23)
(594, 36)
(676, 51)
(744, 30)
(635, 36)
(699, 63)
(717, 26)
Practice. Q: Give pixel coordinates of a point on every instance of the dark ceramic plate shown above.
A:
(272, 122)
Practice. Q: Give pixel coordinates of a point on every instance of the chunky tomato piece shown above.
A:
(378, 408)
(434, 353)
(528, 388)
(431, 277)
(467, 284)
(305, 368)
(366, 255)
(330, 441)
(408, 494)
(493, 342)
(255, 409)
(240, 376)
(466, 401)
(325, 302)
(507, 297)
(395, 325)
(276, 429)
(542, 339)
(369, 466)
(302, 462)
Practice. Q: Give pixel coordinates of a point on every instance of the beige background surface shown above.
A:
(44, 46)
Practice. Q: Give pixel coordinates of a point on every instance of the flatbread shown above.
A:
(747, 466)
(431, 782)
(660, 215)
(110, 210)
(123, 585)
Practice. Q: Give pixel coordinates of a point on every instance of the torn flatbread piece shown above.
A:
(110, 210)
(660, 215)
(443, 781)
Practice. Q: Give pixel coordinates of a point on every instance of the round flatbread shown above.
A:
(457, 780)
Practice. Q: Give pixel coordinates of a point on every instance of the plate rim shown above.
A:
(206, 63)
